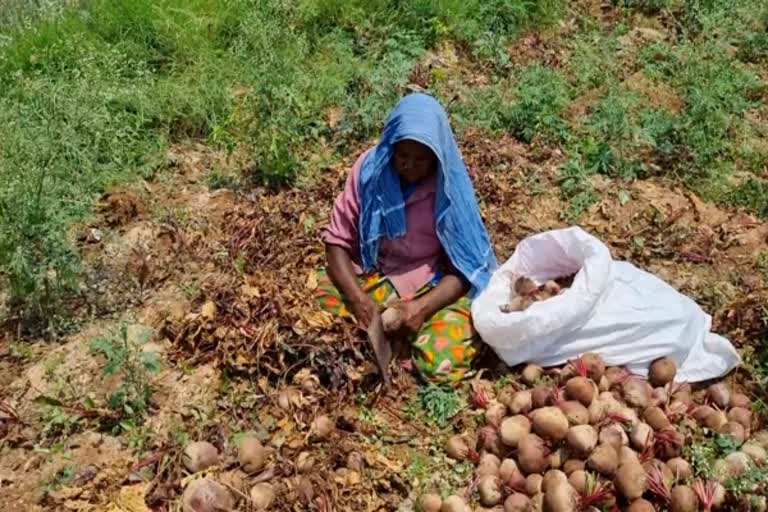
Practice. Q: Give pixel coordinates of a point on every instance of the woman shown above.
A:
(406, 231)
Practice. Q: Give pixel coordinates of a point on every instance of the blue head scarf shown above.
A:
(461, 231)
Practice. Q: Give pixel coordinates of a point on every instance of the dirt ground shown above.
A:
(165, 250)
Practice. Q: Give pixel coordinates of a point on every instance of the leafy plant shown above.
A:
(751, 481)
(648, 6)
(575, 188)
(124, 357)
(435, 403)
(704, 452)
(541, 96)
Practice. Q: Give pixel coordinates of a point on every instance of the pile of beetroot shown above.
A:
(587, 437)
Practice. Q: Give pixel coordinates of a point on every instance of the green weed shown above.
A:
(125, 357)
(593, 62)
(703, 453)
(58, 424)
(749, 482)
(754, 48)
(542, 94)
(575, 188)
(434, 404)
(647, 6)
(752, 194)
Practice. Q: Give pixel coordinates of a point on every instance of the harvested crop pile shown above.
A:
(525, 292)
(258, 315)
(625, 450)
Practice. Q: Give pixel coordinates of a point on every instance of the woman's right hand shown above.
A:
(363, 307)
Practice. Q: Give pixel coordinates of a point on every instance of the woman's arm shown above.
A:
(342, 275)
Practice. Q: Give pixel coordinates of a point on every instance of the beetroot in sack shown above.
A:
(613, 308)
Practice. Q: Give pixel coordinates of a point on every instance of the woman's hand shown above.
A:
(411, 317)
(342, 275)
(363, 307)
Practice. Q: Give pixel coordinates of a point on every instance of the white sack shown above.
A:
(625, 314)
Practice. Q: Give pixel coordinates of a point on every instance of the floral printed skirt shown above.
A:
(445, 347)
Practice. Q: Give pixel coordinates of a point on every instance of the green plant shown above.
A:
(542, 94)
(575, 188)
(61, 478)
(754, 48)
(218, 180)
(436, 404)
(752, 481)
(58, 424)
(702, 453)
(124, 357)
(648, 6)
(752, 194)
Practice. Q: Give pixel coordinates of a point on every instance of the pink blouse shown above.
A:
(409, 262)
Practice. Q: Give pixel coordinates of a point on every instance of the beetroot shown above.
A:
(489, 490)
(594, 364)
(199, 455)
(756, 452)
(680, 469)
(582, 439)
(513, 429)
(517, 502)
(550, 423)
(572, 465)
(641, 436)
(741, 400)
(531, 454)
(578, 480)
(641, 506)
(520, 403)
(262, 496)
(533, 484)
(251, 454)
(741, 416)
(684, 499)
(630, 481)
(489, 465)
(575, 413)
(656, 418)
(205, 495)
(532, 373)
(614, 435)
(662, 371)
(542, 396)
(430, 503)
(636, 392)
(495, 413)
(735, 430)
(581, 389)
(719, 394)
(604, 459)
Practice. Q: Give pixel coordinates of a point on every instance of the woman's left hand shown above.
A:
(412, 316)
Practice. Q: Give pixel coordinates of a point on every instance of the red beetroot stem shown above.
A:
(657, 485)
(705, 492)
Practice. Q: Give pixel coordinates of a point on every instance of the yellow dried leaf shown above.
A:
(312, 280)
(250, 291)
(209, 310)
(130, 499)
(320, 319)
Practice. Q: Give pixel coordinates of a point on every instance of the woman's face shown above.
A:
(414, 161)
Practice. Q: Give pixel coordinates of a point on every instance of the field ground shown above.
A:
(165, 182)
